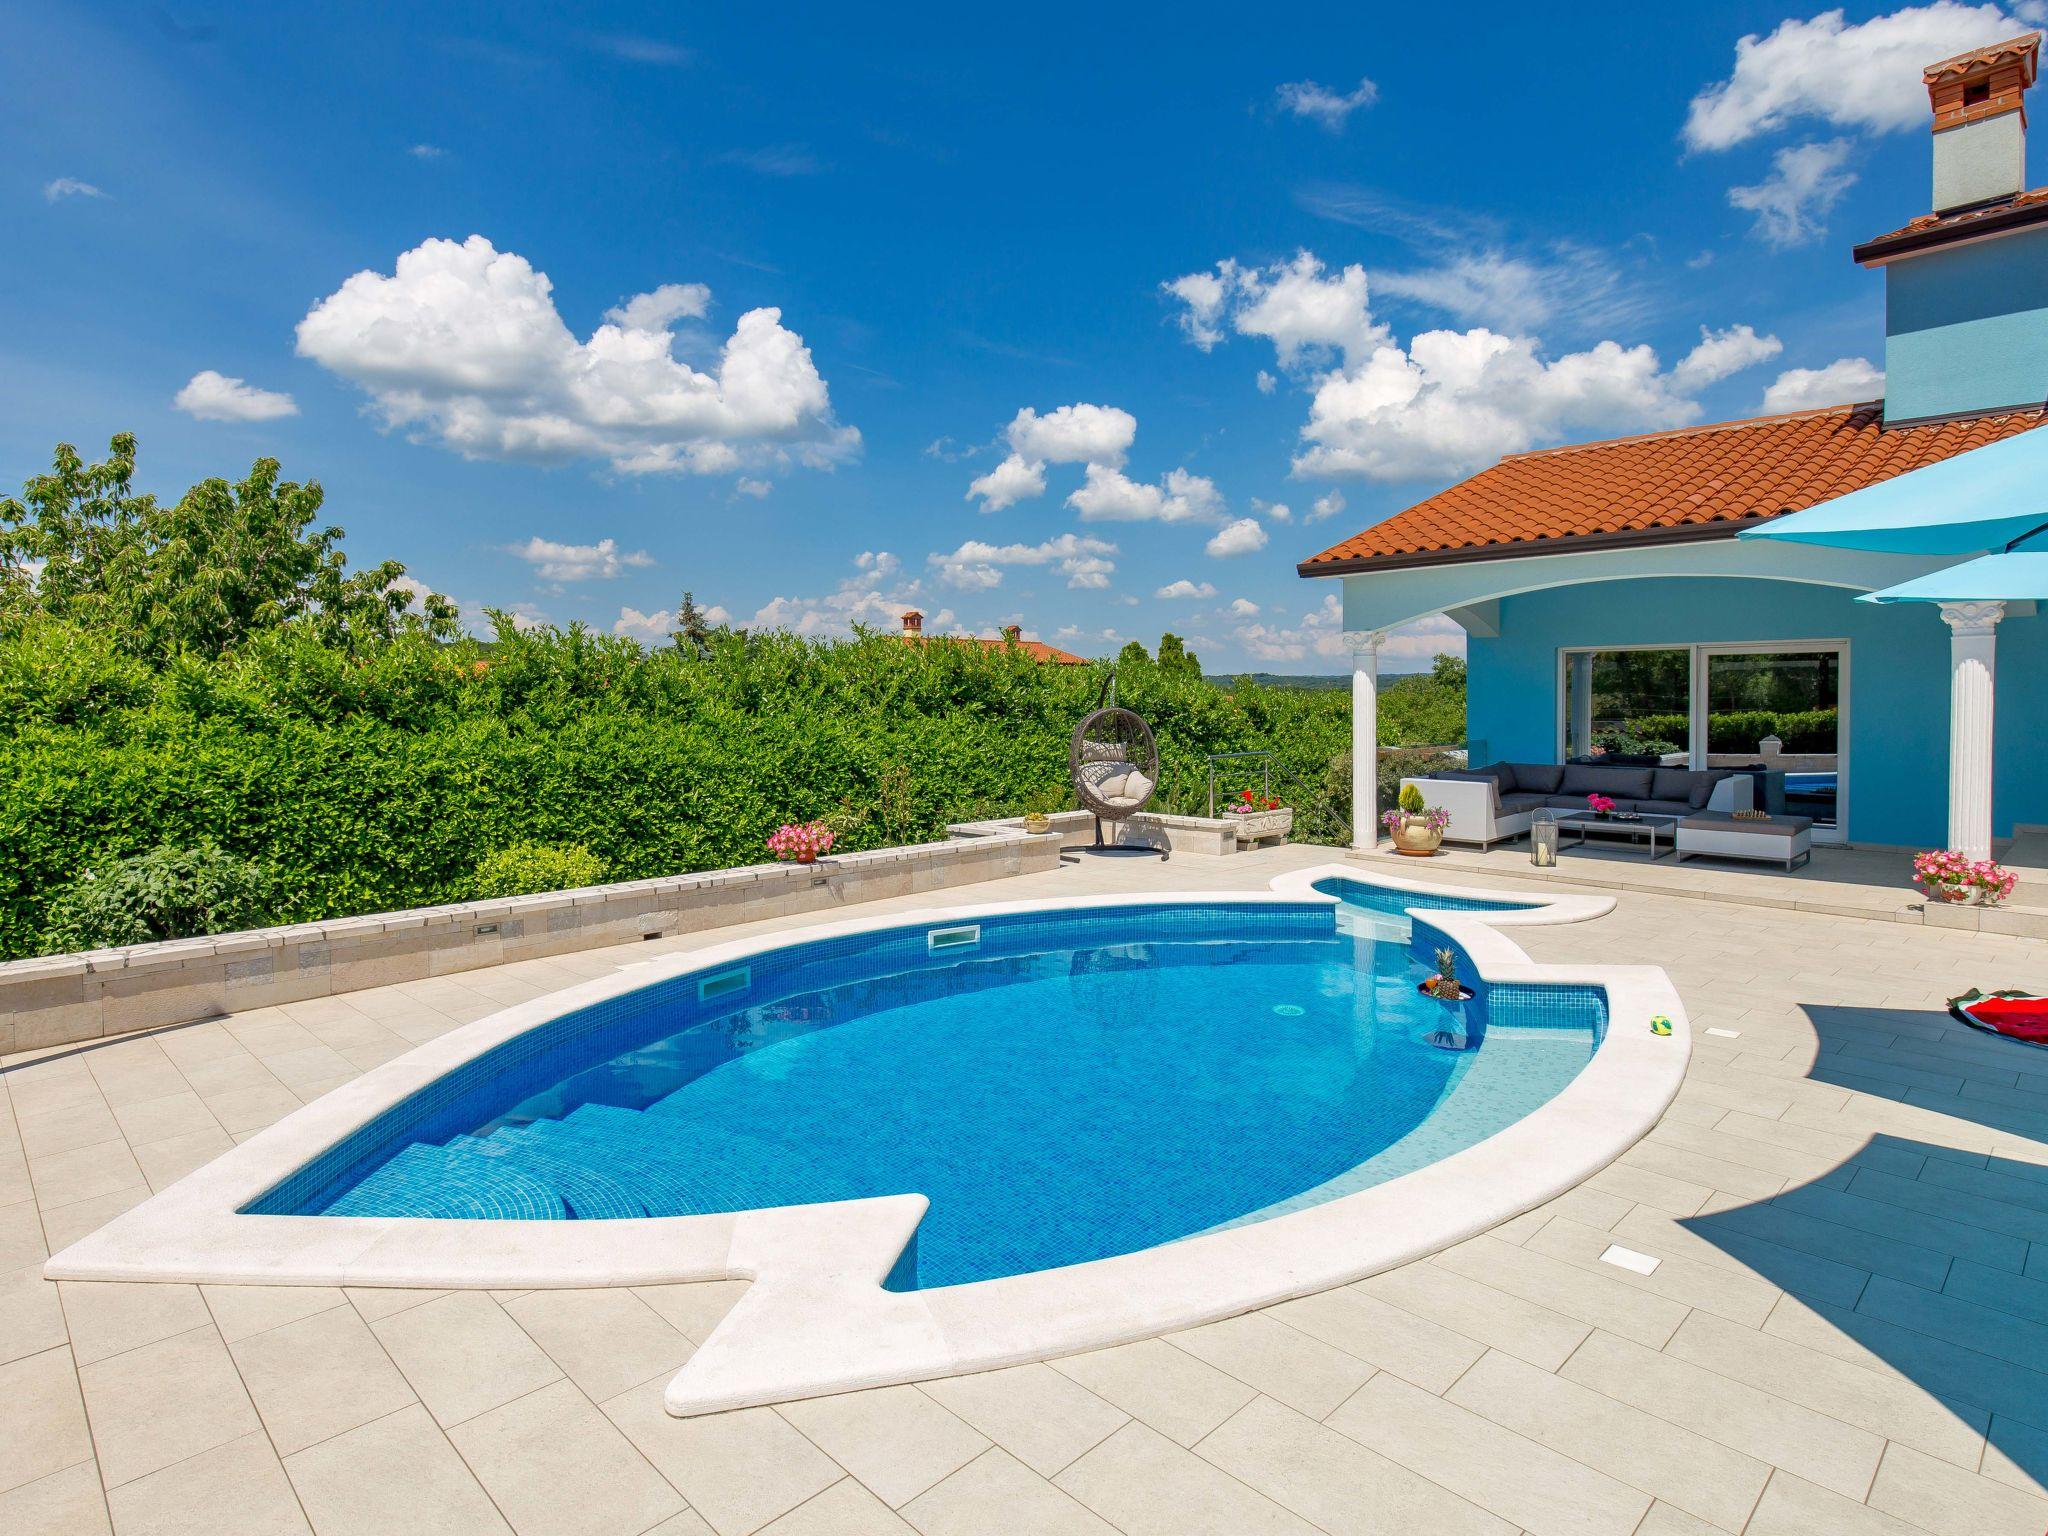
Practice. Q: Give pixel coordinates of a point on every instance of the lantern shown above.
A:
(1543, 839)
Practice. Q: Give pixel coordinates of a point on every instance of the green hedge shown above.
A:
(1739, 730)
(375, 783)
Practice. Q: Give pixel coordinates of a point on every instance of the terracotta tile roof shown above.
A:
(1963, 224)
(2021, 49)
(1702, 481)
(1037, 650)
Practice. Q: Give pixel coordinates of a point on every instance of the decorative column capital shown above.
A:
(1972, 618)
(1364, 642)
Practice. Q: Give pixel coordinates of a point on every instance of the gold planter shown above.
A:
(1036, 822)
(1416, 838)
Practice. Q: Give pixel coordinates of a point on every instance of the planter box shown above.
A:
(1264, 826)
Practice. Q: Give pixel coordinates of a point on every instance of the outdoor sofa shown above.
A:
(1492, 804)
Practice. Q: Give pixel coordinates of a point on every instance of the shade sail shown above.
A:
(2007, 577)
(1983, 499)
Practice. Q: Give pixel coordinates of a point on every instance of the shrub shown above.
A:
(169, 893)
(524, 869)
(1412, 801)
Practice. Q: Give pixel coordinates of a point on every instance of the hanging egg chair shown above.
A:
(1114, 765)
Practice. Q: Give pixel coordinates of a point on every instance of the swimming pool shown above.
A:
(1061, 1087)
(844, 1293)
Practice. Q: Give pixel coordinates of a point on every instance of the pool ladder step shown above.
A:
(426, 1180)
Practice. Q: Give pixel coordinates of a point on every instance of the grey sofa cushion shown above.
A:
(1771, 826)
(1539, 778)
(1695, 789)
(1621, 783)
(1663, 807)
(1521, 801)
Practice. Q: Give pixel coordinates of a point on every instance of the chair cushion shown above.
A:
(1137, 786)
(1621, 783)
(1774, 826)
(1519, 802)
(1695, 789)
(1539, 778)
(1662, 807)
(1493, 776)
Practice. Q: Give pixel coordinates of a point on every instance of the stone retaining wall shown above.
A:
(1207, 835)
(60, 999)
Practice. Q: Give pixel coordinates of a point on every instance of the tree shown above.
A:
(1133, 652)
(1174, 656)
(692, 632)
(225, 563)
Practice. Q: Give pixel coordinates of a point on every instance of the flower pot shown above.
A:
(1416, 838)
(1036, 822)
(807, 858)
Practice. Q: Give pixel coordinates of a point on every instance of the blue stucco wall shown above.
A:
(1966, 329)
(1898, 685)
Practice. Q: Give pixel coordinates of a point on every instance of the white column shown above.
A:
(1973, 666)
(1580, 738)
(1365, 737)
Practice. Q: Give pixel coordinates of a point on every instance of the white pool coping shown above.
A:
(816, 1319)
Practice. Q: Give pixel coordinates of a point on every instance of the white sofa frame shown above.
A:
(1476, 819)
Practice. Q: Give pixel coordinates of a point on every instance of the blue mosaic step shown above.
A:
(589, 1193)
(681, 1169)
(426, 1180)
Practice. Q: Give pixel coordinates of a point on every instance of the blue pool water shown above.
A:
(1062, 1087)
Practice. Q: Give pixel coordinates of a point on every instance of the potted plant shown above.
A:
(1600, 805)
(1038, 809)
(801, 842)
(1260, 816)
(1416, 827)
(1948, 875)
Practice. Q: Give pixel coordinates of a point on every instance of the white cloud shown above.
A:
(1273, 511)
(426, 151)
(652, 628)
(211, 396)
(69, 186)
(1015, 479)
(874, 596)
(1266, 382)
(1863, 76)
(579, 562)
(754, 488)
(1203, 295)
(1792, 203)
(1450, 401)
(978, 567)
(1721, 354)
(1109, 495)
(1521, 293)
(1186, 588)
(1074, 434)
(633, 48)
(1845, 381)
(462, 344)
(1321, 634)
(1305, 98)
(1329, 504)
(1243, 607)
(659, 310)
(1243, 537)
(1307, 315)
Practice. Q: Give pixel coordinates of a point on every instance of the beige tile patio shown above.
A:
(242, 1310)
(606, 1341)
(1941, 1497)
(463, 1355)
(393, 1474)
(551, 1462)
(31, 1316)
(42, 1421)
(1043, 1419)
(318, 1377)
(896, 1440)
(155, 1406)
(1284, 1363)
(66, 1503)
(694, 1310)
(1029, 1505)
(844, 1509)
(1160, 1386)
(1791, 1506)
(237, 1486)
(1346, 1488)
(1145, 1485)
(107, 1319)
(1532, 1485)
(1456, 1303)
(738, 1470)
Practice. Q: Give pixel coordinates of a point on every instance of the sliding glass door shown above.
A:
(1775, 709)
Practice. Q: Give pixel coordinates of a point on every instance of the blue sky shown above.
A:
(357, 213)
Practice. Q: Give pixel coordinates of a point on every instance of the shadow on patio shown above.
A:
(1921, 1254)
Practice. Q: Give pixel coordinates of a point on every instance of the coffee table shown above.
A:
(1643, 825)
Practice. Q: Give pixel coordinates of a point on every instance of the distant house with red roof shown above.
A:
(1611, 610)
(1012, 635)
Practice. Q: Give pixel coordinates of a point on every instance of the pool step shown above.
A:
(426, 1180)
(589, 1194)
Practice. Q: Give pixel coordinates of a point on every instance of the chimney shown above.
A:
(1980, 122)
(913, 625)
(1013, 633)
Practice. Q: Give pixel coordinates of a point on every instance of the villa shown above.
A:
(1013, 634)
(1620, 570)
